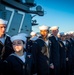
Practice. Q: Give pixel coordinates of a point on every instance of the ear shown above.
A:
(48, 31)
(24, 45)
(58, 30)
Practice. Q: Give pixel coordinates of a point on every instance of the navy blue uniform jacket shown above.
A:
(41, 53)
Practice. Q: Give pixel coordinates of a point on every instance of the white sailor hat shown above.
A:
(18, 37)
(34, 38)
(61, 33)
(32, 33)
(66, 33)
(71, 32)
(54, 28)
(23, 34)
(43, 27)
(3, 21)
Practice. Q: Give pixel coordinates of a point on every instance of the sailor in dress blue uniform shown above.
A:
(5, 42)
(20, 62)
(41, 52)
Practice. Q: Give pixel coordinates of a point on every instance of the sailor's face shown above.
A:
(2, 29)
(18, 45)
(44, 33)
(55, 32)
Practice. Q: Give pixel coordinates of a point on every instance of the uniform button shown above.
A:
(23, 67)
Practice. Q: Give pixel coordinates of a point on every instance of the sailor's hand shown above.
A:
(67, 59)
(51, 66)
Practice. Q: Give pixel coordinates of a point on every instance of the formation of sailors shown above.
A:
(38, 55)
